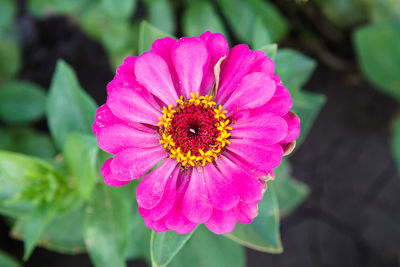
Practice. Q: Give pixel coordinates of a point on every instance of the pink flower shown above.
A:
(216, 120)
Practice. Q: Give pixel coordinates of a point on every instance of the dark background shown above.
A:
(351, 217)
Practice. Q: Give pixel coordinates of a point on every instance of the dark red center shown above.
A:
(194, 127)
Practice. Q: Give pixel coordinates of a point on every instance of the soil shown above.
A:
(351, 217)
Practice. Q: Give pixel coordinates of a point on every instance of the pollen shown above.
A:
(195, 131)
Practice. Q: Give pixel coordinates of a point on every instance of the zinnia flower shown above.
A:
(215, 121)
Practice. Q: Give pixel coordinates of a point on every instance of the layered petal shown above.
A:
(222, 192)
(249, 187)
(131, 102)
(196, 205)
(109, 178)
(293, 131)
(217, 47)
(175, 219)
(166, 202)
(263, 63)
(152, 72)
(266, 128)
(246, 212)
(151, 189)
(222, 221)
(133, 163)
(190, 58)
(279, 104)
(255, 156)
(114, 135)
(254, 90)
(238, 64)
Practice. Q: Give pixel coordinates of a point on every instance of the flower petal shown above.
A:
(166, 203)
(158, 226)
(254, 156)
(263, 63)
(175, 219)
(109, 177)
(238, 64)
(195, 204)
(249, 187)
(152, 72)
(279, 104)
(190, 57)
(151, 189)
(217, 47)
(131, 102)
(293, 131)
(266, 128)
(133, 163)
(114, 135)
(221, 222)
(222, 193)
(253, 91)
(246, 212)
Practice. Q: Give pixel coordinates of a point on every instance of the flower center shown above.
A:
(194, 132)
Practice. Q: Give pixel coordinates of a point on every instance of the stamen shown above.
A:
(194, 132)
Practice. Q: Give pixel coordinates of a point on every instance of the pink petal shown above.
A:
(279, 104)
(133, 163)
(113, 135)
(153, 73)
(151, 189)
(249, 187)
(175, 219)
(238, 64)
(253, 91)
(195, 205)
(217, 47)
(127, 69)
(293, 131)
(163, 48)
(263, 63)
(254, 156)
(108, 176)
(190, 57)
(266, 128)
(222, 193)
(158, 226)
(131, 102)
(246, 212)
(221, 222)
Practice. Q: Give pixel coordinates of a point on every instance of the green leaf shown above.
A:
(30, 142)
(44, 8)
(384, 10)
(121, 9)
(147, 35)
(206, 249)
(10, 58)
(139, 243)
(35, 225)
(306, 105)
(261, 36)
(200, 16)
(344, 13)
(7, 13)
(8, 261)
(263, 233)
(80, 154)
(69, 108)
(270, 50)
(243, 15)
(396, 141)
(377, 47)
(289, 192)
(161, 15)
(107, 225)
(164, 246)
(293, 68)
(63, 234)
(21, 102)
